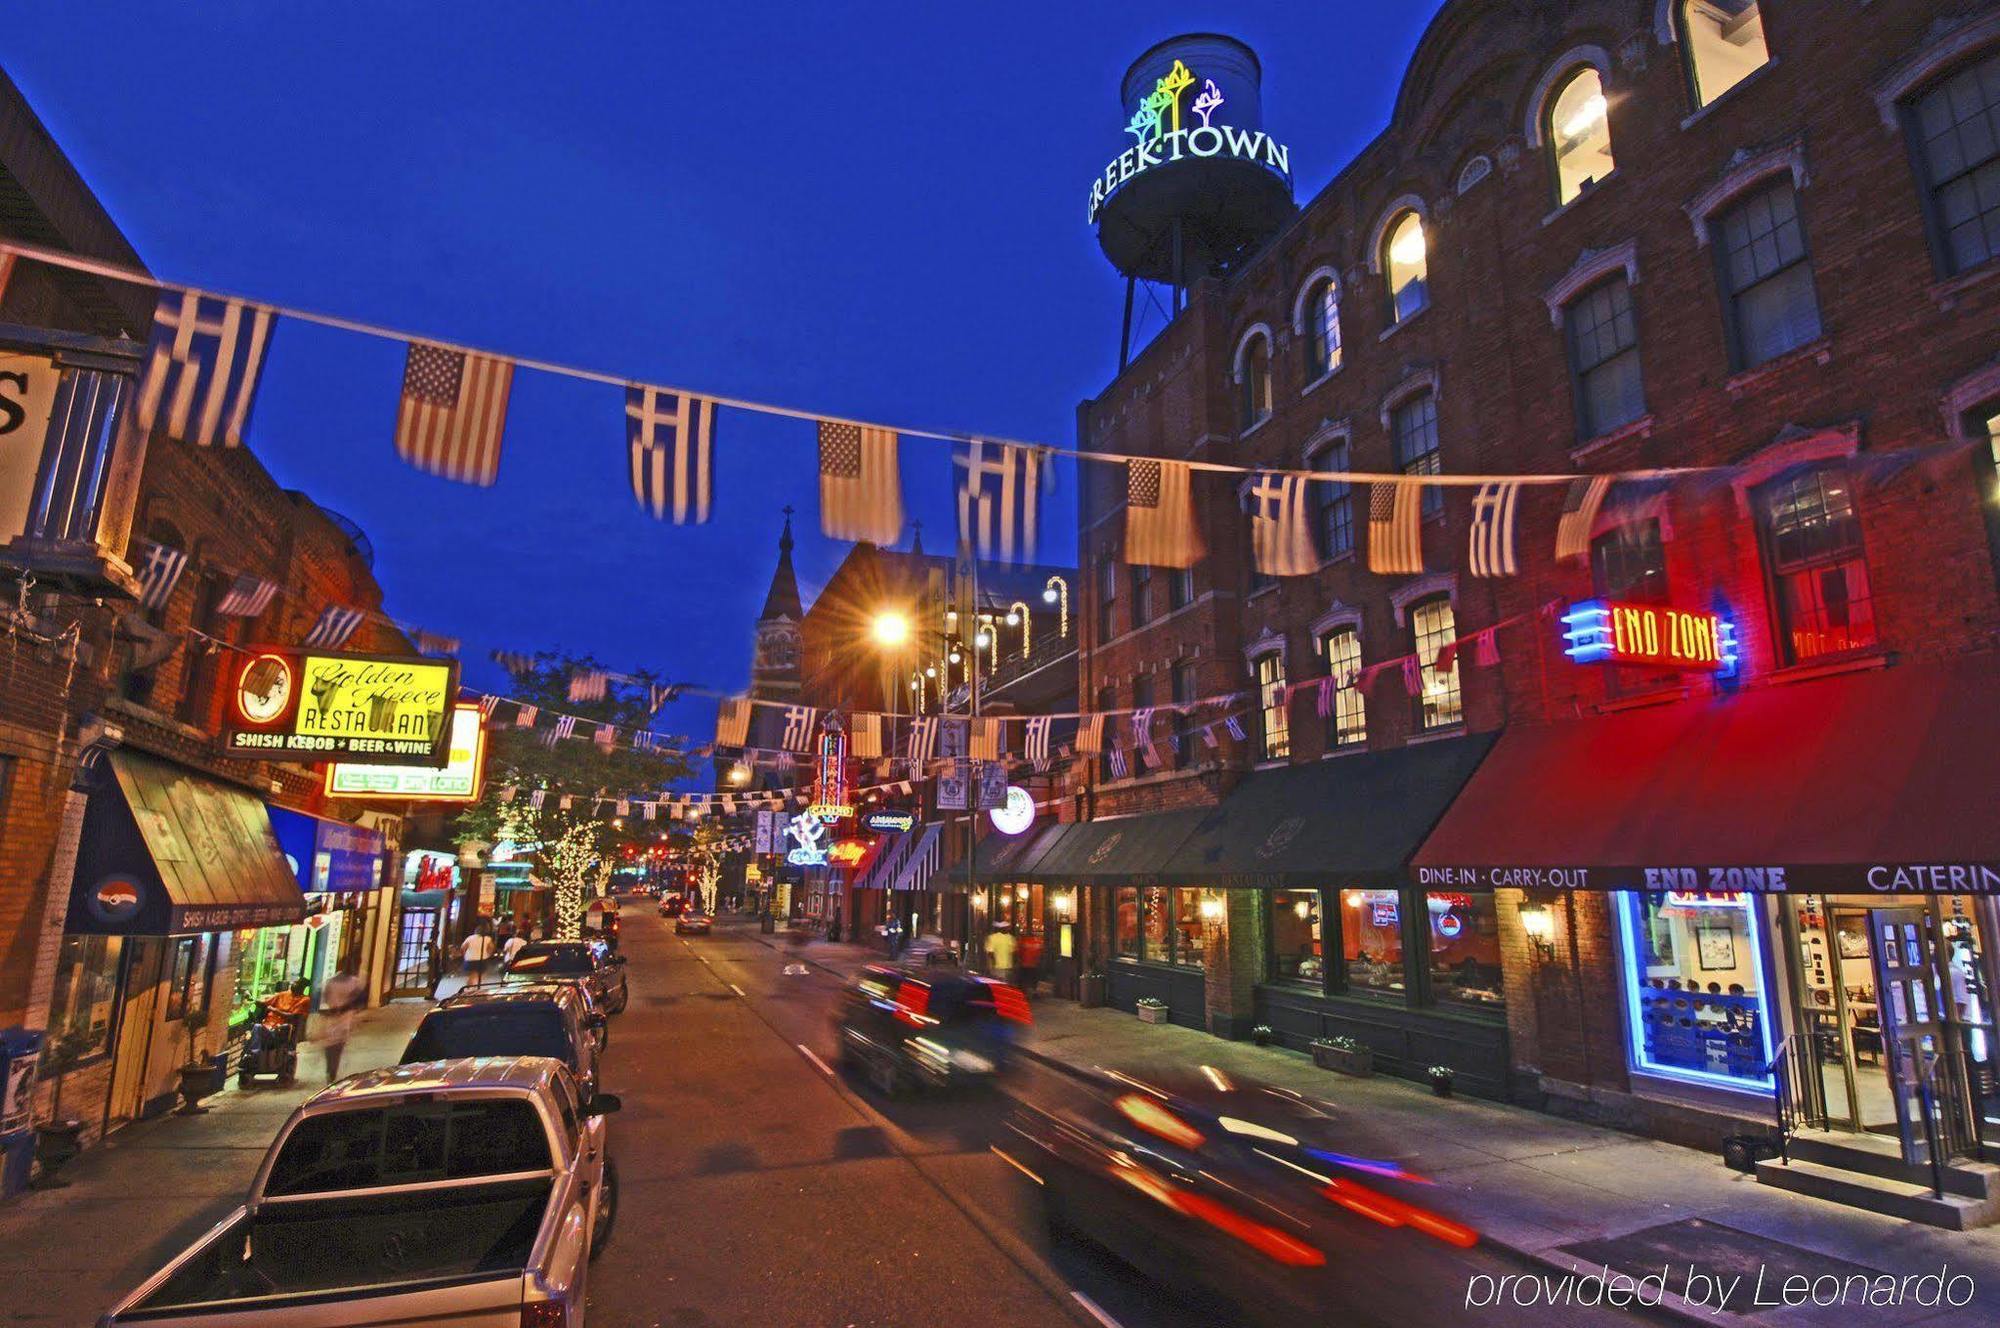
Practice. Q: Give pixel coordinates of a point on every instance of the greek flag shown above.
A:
(202, 367)
(997, 511)
(671, 436)
(159, 572)
(334, 627)
(1038, 741)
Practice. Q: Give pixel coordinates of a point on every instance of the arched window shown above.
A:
(1253, 378)
(1579, 134)
(1404, 259)
(1723, 43)
(1322, 328)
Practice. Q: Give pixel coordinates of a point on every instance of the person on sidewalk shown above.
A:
(1028, 972)
(1000, 952)
(477, 952)
(344, 995)
(512, 946)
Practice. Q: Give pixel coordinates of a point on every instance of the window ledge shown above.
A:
(1346, 556)
(1946, 292)
(1276, 763)
(1589, 447)
(1323, 379)
(1399, 325)
(1722, 98)
(1858, 662)
(1245, 433)
(1439, 734)
(1359, 747)
(1595, 188)
(1819, 351)
(1261, 591)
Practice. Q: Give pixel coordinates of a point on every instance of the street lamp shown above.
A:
(739, 773)
(891, 629)
(1057, 592)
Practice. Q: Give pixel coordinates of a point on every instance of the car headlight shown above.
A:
(971, 1061)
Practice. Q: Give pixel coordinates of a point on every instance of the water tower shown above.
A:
(1199, 185)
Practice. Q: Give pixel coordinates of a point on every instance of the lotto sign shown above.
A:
(457, 780)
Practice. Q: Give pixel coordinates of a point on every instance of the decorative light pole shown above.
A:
(1057, 592)
(1017, 614)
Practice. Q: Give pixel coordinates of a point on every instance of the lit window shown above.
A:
(1142, 594)
(1190, 939)
(1694, 1003)
(1253, 376)
(1277, 735)
(1724, 41)
(1335, 501)
(1371, 939)
(1348, 724)
(1413, 428)
(1768, 282)
(1819, 575)
(1322, 329)
(1957, 125)
(1464, 932)
(1180, 587)
(1579, 134)
(1184, 695)
(1296, 953)
(1404, 258)
(1434, 626)
(1125, 923)
(84, 1007)
(1604, 357)
(1629, 563)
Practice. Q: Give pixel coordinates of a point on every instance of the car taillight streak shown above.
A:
(1393, 1212)
(1280, 1246)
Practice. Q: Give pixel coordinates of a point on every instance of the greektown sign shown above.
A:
(1162, 137)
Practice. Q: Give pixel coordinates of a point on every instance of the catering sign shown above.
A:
(1713, 884)
(457, 780)
(1599, 631)
(309, 707)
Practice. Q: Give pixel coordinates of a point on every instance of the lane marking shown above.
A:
(1096, 1313)
(739, 991)
(807, 1052)
(1010, 1161)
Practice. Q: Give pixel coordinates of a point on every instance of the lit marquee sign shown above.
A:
(1018, 813)
(1163, 137)
(832, 799)
(811, 834)
(308, 707)
(1601, 631)
(458, 780)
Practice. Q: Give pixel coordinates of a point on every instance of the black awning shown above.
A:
(167, 851)
(1130, 850)
(1345, 820)
(1004, 858)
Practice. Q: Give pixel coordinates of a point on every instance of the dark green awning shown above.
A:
(1130, 850)
(1005, 858)
(1346, 820)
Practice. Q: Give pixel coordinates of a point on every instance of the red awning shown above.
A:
(1883, 780)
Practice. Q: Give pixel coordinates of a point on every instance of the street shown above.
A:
(759, 1186)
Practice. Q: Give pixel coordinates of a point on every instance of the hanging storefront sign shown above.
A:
(1601, 631)
(1017, 814)
(458, 780)
(953, 787)
(811, 834)
(847, 852)
(27, 393)
(325, 854)
(833, 794)
(890, 823)
(310, 708)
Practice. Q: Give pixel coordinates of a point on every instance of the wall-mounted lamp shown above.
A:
(1065, 902)
(1212, 908)
(1540, 926)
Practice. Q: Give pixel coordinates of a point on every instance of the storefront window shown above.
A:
(1153, 924)
(1371, 939)
(86, 991)
(1125, 923)
(272, 959)
(1294, 929)
(188, 967)
(1465, 949)
(1695, 1002)
(1189, 940)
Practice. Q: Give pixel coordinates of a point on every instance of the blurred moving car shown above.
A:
(468, 1192)
(693, 924)
(574, 961)
(515, 1019)
(908, 1029)
(1246, 1193)
(672, 905)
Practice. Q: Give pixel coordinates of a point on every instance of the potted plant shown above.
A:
(199, 1075)
(1440, 1077)
(1152, 1010)
(1091, 991)
(58, 1138)
(1344, 1054)
(1261, 1035)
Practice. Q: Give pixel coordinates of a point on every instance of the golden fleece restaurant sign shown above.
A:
(312, 707)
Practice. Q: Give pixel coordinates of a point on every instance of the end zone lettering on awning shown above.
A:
(1953, 878)
(310, 707)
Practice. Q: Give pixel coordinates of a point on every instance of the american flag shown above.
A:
(998, 513)
(866, 738)
(1492, 552)
(1160, 530)
(429, 643)
(732, 723)
(515, 661)
(524, 718)
(860, 491)
(202, 367)
(588, 684)
(1323, 700)
(159, 572)
(1413, 675)
(1579, 515)
(671, 436)
(1395, 529)
(1486, 647)
(606, 737)
(1090, 735)
(247, 596)
(453, 409)
(1038, 741)
(1280, 526)
(334, 626)
(984, 744)
(799, 727)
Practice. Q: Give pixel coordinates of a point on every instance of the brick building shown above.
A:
(1594, 237)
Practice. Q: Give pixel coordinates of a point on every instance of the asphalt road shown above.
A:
(762, 1187)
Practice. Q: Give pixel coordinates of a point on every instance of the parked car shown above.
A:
(515, 1019)
(693, 924)
(469, 1192)
(908, 1029)
(1253, 1195)
(586, 962)
(671, 905)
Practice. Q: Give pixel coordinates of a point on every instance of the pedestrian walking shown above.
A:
(1000, 952)
(477, 952)
(512, 946)
(343, 995)
(1028, 958)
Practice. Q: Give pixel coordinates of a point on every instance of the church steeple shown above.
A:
(774, 669)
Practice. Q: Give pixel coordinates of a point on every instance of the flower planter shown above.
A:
(1261, 1035)
(1090, 990)
(199, 1079)
(1357, 1061)
(56, 1143)
(1441, 1084)
(1152, 1014)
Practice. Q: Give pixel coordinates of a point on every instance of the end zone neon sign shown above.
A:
(1601, 631)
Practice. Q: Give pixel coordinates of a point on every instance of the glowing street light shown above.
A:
(891, 629)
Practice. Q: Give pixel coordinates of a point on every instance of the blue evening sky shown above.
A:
(871, 210)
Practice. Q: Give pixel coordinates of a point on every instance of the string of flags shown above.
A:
(207, 353)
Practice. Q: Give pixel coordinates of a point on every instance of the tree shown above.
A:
(571, 844)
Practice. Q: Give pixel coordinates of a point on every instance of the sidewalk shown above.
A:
(147, 1192)
(1541, 1183)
